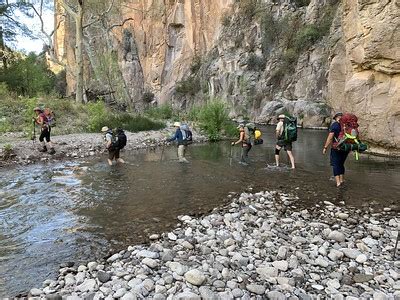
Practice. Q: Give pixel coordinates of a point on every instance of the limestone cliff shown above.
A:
(263, 58)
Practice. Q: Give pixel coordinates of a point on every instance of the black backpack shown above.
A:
(119, 139)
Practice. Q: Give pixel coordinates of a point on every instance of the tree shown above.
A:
(76, 12)
(11, 26)
(28, 76)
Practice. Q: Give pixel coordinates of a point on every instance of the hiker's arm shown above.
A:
(173, 137)
(39, 120)
(328, 142)
(241, 138)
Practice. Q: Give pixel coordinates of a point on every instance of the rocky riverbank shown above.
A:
(81, 145)
(260, 246)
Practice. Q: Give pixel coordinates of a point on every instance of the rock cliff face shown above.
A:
(261, 57)
(364, 73)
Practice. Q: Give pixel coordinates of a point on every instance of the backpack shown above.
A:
(290, 129)
(119, 139)
(51, 119)
(348, 139)
(45, 120)
(257, 137)
(249, 129)
(187, 135)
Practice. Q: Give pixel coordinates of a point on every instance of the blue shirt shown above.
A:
(335, 128)
(177, 136)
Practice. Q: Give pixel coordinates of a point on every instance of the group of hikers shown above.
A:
(342, 138)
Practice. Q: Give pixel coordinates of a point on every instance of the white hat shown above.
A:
(177, 124)
(104, 129)
(281, 117)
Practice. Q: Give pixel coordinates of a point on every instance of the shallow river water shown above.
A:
(79, 211)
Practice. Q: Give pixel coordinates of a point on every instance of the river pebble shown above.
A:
(260, 246)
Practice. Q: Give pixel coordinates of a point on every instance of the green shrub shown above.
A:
(98, 116)
(213, 118)
(7, 151)
(290, 57)
(193, 113)
(306, 37)
(196, 64)
(230, 130)
(5, 125)
(162, 112)
(248, 9)
(28, 76)
(132, 123)
(190, 86)
(255, 62)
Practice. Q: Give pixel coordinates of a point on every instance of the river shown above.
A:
(77, 211)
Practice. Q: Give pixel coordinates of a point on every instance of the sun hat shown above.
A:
(338, 114)
(241, 125)
(281, 116)
(177, 124)
(37, 108)
(104, 129)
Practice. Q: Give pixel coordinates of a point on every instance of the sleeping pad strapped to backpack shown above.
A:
(348, 139)
(119, 139)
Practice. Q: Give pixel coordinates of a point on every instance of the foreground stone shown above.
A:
(259, 247)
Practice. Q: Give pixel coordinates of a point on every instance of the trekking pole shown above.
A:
(397, 241)
(162, 151)
(34, 133)
(230, 154)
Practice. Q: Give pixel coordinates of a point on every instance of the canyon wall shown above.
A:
(261, 57)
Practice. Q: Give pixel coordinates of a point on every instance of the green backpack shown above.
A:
(290, 129)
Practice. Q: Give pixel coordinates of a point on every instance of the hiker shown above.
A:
(337, 157)
(283, 140)
(181, 135)
(245, 141)
(113, 145)
(45, 130)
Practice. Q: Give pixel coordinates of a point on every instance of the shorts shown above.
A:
(287, 146)
(45, 134)
(114, 153)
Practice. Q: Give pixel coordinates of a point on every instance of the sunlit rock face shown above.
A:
(152, 46)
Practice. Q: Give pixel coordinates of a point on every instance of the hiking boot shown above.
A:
(52, 151)
(44, 149)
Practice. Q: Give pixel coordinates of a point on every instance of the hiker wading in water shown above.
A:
(113, 152)
(246, 144)
(337, 157)
(45, 130)
(281, 142)
(178, 136)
